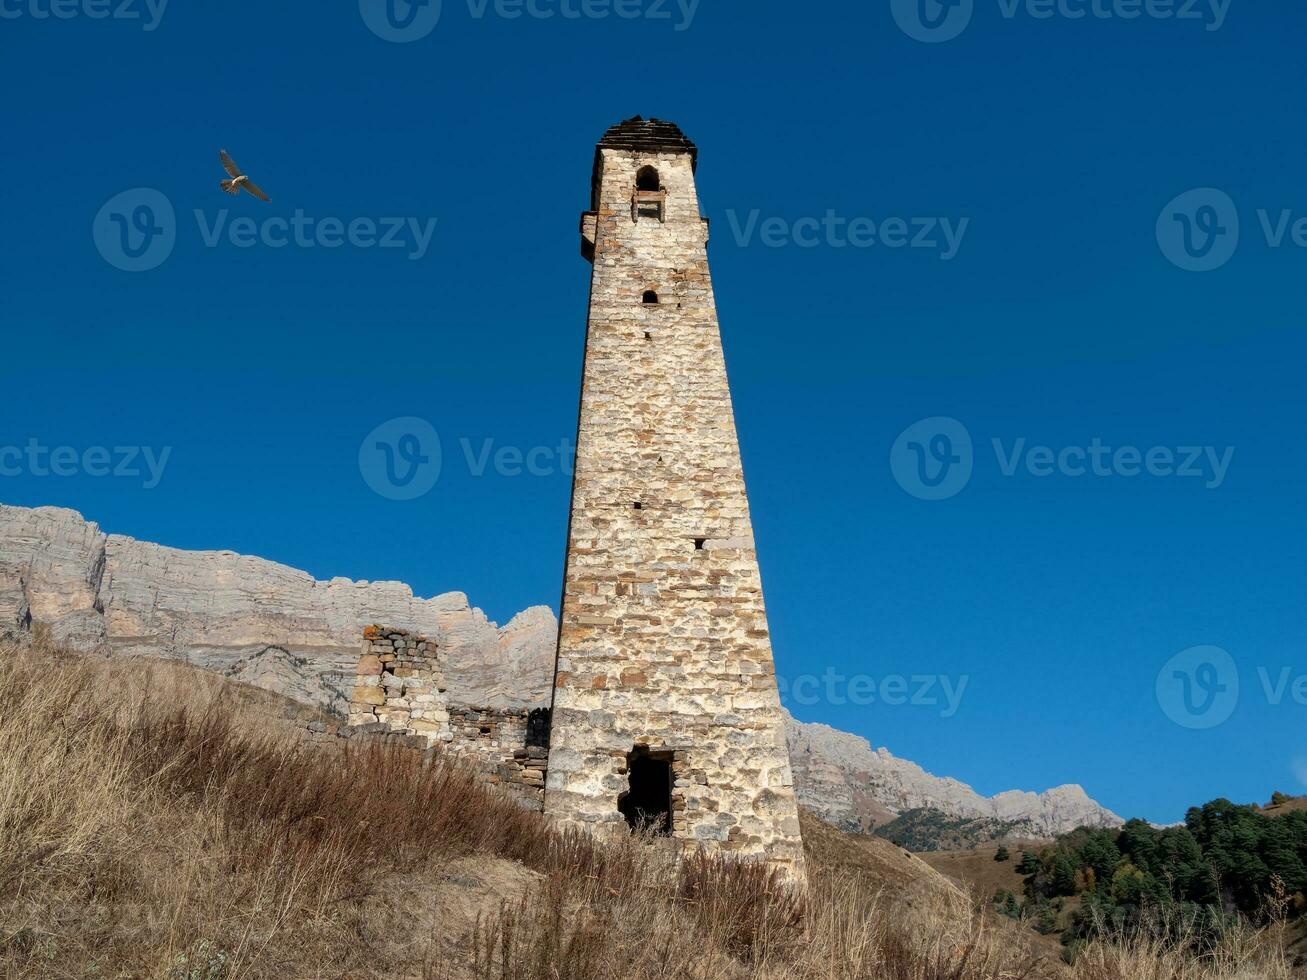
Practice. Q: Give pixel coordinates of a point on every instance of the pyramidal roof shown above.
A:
(647, 135)
(652, 135)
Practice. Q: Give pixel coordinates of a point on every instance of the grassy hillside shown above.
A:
(158, 822)
(978, 869)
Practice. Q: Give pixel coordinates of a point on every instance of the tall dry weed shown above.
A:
(158, 822)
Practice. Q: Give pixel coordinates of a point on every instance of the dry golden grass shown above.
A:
(156, 822)
(1243, 954)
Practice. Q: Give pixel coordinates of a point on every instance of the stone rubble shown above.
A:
(399, 689)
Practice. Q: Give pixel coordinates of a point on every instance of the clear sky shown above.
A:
(1052, 146)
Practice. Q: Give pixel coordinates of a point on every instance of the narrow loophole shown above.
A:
(699, 543)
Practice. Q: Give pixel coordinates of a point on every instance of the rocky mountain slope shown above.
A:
(251, 619)
(842, 778)
(282, 630)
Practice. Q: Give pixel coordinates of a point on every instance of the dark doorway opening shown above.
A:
(647, 805)
(537, 729)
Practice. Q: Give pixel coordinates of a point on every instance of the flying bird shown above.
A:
(238, 179)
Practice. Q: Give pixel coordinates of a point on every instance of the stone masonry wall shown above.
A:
(401, 684)
(664, 641)
(399, 696)
(503, 752)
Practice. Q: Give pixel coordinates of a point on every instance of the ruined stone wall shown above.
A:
(401, 683)
(498, 741)
(518, 772)
(664, 641)
(400, 697)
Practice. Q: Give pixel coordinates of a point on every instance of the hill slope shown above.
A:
(181, 829)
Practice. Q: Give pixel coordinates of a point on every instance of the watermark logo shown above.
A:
(1199, 230)
(941, 235)
(36, 459)
(404, 21)
(149, 13)
(932, 21)
(933, 459)
(136, 230)
(300, 230)
(401, 459)
(401, 21)
(941, 692)
(1198, 688)
(1206, 463)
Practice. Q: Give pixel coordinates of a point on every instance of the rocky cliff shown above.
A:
(280, 629)
(251, 619)
(848, 783)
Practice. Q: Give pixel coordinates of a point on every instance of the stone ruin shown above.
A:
(399, 691)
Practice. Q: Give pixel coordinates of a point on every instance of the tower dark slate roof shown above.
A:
(651, 135)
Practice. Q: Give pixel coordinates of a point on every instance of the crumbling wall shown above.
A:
(400, 683)
(400, 695)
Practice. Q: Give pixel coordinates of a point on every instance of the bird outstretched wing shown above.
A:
(253, 189)
(228, 164)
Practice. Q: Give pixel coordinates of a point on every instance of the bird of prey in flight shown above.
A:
(238, 179)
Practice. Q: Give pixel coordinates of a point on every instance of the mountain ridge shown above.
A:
(279, 628)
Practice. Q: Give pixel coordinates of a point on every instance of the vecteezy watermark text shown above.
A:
(832, 230)
(1200, 688)
(148, 12)
(891, 690)
(933, 459)
(405, 21)
(137, 230)
(143, 463)
(1205, 463)
(935, 21)
(1199, 231)
(403, 459)
(303, 231)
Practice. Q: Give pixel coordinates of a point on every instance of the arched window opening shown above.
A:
(650, 298)
(648, 180)
(648, 200)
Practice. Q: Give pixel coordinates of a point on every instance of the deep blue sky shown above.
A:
(1059, 320)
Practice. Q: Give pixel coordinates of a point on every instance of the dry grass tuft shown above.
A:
(158, 822)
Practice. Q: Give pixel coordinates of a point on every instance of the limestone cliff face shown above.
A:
(280, 629)
(251, 619)
(850, 784)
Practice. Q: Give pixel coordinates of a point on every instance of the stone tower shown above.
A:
(665, 709)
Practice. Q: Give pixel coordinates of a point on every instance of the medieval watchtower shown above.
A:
(665, 711)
